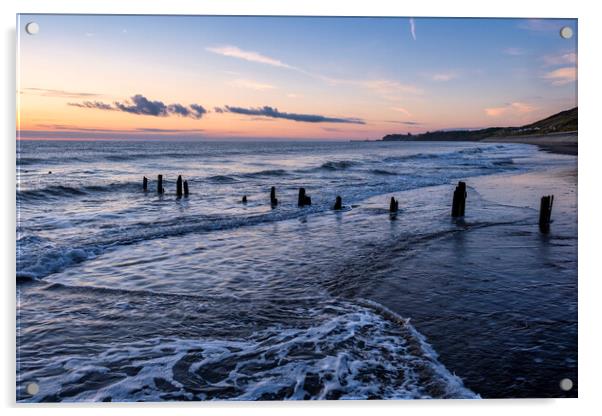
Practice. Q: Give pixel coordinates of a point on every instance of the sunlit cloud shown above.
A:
(444, 76)
(401, 110)
(235, 52)
(540, 25)
(413, 28)
(561, 76)
(272, 112)
(560, 59)
(253, 85)
(58, 93)
(514, 108)
(388, 89)
(383, 87)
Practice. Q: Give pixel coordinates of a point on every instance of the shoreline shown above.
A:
(558, 143)
(561, 143)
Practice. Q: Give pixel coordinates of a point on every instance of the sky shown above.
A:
(214, 78)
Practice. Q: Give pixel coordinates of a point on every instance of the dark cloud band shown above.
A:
(141, 105)
(93, 104)
(267, 111)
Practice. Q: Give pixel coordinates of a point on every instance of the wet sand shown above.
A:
(499, 303)
(565, 144)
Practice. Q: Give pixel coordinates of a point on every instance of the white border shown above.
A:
(589, 212)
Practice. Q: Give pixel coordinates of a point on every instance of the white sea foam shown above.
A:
(357, 355)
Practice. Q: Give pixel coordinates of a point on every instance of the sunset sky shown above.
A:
(126, 77)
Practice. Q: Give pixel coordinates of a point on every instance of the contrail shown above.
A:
(412, 28)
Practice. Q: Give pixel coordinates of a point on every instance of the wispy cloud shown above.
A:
(561, 76)
(58, 93)
(272, 112)
(66, 127)
(514, 108)
(444, 76)
(560, 59)
(413, 28)
(513, 51)
(401, 110)
(251, 56)
(384, 87)
(140, 105)
(406, 123)
(253, 85)
(107, 134)
(93, 104)
(540, 25)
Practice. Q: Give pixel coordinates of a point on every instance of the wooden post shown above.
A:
(545, 213)
(462, 186)
(338, 204)
(179, 187)
(186, 188)
(459, 201)
(144, 183)
(393, 205)
(304, 199)
(301, 199)
(273, 199)
(160, 189)
(244, 199)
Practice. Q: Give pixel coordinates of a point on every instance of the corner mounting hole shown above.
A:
(566, 384)
(33, 389)
(566, 32)
(32, 28)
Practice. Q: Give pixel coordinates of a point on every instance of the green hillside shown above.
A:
(565, 121)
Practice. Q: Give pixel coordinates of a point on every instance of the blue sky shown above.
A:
(297, 77)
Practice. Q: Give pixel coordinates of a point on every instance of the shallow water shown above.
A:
(126, 295)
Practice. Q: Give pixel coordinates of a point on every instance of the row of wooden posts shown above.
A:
(458, 201)
(181, 187)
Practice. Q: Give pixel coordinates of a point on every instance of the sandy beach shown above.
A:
(561, 143)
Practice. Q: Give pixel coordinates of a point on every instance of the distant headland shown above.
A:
(557, 133)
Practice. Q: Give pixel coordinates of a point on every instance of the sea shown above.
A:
(131, 295)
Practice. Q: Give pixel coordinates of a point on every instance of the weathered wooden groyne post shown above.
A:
(273, 199)
(144, 183)
(304, 199)
(459, 201)
(545, 213)
(393, 205)
(338, 203)
(185, 188)
(179, 187)
(160, 189)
